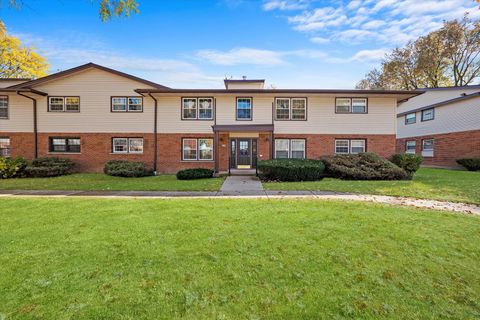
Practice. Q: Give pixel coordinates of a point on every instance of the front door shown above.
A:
(244, 153)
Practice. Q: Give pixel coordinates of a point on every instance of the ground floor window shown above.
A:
(290, 148)
(4, 147)
(411, 147)
(62, 144)
(427, 147)
(350, 146)
(197, 149)
(127, 145)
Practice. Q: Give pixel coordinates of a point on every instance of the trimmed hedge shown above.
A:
(11, 168)
(128, 169)
(197, 173)
(49, 167)
(363, 166)
(471, 164)
(408, 162)
(291, 170)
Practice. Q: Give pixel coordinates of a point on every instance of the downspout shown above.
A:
(35, 127)
(155, 142)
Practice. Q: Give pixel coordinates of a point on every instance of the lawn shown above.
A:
(235, 259)
(428, 183)
(97, 181)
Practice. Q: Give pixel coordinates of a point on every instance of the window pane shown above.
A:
(299, 109)
(298, 149)
(3, 107)
(59, 145)
(341, 146)
(135, 104)
(427, 115)
(411, 147)
(410, 118)
(281, 148)
(244, 108)
(4, 147)
(342, 105)
(73, 145)
(283, 109)
(205, 149)
(359, 105)
(357, 146)
(189, 108)
(56, 104)
(120, 145)
(135, 145)
(428, 144)
(119, 104)
(72, 103)
(4, 113)
(189, 149)
(205, 108)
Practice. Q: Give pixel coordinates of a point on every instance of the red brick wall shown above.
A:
(448, 147)
(21, 144)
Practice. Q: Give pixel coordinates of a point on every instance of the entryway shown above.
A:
(243, 153)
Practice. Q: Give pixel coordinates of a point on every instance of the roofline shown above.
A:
(13, 90)
(473, 86)
(243, 80)
(442, 103)
(67, 72)
(15, 79)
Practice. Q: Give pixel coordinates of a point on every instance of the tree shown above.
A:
(107, 8)
(18, 61)
(446, 57)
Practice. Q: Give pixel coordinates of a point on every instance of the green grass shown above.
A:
(428, 183)
(97, 181)
(235, 259)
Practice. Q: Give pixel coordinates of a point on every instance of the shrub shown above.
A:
(291, 169)
(471, 164)
(363, 166)
(123, 168)
(197, 173)
(11, 168)
(408, 162)
(49, 167)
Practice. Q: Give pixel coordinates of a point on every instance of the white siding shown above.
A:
(170, 114)
(20, 115)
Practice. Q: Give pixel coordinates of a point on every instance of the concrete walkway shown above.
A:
(260, 194)
(241, 185)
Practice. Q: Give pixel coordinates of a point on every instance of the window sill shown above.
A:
(197, 160)
(64, 153)
(127, 153)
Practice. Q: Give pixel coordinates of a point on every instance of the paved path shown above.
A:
(266, 194)
(242, 185)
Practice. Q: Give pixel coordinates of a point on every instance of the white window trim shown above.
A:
(236, 109)
(414, 151)
(304, 148)
(127, 104)
(355, 140)
(197, 148)
(290, 149)
(415, 118)
(349, 141)
(290, 108)
(128, 145)
(343, 140)
(350, 106)
(132, 104)
(6, 107)
(9, 145)
(198, 107)
(64, 103)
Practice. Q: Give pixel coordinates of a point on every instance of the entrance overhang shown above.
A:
(242, 128)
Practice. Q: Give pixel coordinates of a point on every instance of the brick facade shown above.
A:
(96, 148)
(448, 147)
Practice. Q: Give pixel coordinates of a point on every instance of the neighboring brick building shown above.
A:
(92, 114)
(442, 124)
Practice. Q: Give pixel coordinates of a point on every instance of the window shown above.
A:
(3, 107)
(64, 104)
(427, 147)
(352, 146)
(127, 104)
(351, 105)
(411, 147)
(290, 109)
(67, 145)
(197, 108)
(5, 147)
(127, 145)
(197, 149)
(410, 118)
(428, 114)
(244, 108)
(290, 148)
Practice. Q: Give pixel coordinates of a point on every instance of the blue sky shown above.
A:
(197, 43)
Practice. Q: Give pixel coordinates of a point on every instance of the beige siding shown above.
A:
(169, 118)
(95, 87)
(4, 83)
(20, 115)
(261, 110)
(455, 117)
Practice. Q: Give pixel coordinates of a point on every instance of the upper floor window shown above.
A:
(411, 146)
(290, 109)
(3, 107)
(127, 145)
(244, 109)
(5, 147)
(197, 108)
(64, 104)
(197, 149)
(60, 144)
(346, 146)
(410, 118)
(351, 105)
(290, 148)
(127, 104)
(428, 114)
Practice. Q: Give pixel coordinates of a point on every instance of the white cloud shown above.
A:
(269, 5)
(241, 56)
(319, 40)
(369, 55)
(318, 19)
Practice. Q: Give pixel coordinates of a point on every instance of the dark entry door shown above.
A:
(244, 153)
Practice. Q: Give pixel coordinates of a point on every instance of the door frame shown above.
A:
(233, 149)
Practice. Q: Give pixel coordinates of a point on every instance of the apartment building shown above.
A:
(442, 124)
(92, 114)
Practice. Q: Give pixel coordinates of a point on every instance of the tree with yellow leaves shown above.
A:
(18, 61)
